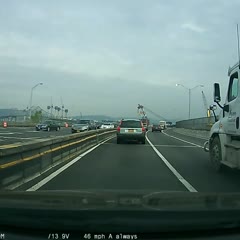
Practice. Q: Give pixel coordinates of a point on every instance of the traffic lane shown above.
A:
(117, 166)
(28, 134)
(195, 166)
(193, 139)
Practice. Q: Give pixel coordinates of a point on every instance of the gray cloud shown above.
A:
(108, 56)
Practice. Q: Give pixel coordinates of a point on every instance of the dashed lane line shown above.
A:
(172, 169)
(194, 144)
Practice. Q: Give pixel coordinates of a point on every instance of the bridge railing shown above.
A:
(204, 123)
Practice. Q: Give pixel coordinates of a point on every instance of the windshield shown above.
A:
(83, 122)
(121, 96)
(131, 124)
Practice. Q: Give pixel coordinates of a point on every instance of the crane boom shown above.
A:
(141, 111)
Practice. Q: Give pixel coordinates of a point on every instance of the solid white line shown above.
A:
(54, 174)
(183, 140)
(172, 169)
(191, 135)
(160, 145)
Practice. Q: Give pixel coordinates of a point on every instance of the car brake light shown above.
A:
(118, 128)
(143, 129)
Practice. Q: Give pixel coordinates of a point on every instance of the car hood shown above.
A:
(120, 199)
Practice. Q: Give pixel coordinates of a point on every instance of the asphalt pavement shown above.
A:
(168, 162)
(15, 136)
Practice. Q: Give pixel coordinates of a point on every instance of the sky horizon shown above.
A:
(106, 58)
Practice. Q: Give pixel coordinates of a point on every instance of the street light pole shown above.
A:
(30, 109)
(189, 103)
(189, 97)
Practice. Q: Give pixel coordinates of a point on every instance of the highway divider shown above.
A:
(21, 163)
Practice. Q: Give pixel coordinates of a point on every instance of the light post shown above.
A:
(30, 110)
(189, 96)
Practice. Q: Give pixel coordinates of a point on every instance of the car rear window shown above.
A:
(131, 124)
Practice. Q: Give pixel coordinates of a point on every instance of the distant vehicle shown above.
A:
(50, 125)
(39, 126)
(80, 127)
(107, 125)
(168, 124)
(156, 127)
(91, 124)
(145, 122)
(131, 129)
(98, 124)
(163, 125)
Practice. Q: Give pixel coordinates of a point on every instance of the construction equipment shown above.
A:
(208, 111)
(143, 116)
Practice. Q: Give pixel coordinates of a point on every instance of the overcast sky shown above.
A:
(105, 57)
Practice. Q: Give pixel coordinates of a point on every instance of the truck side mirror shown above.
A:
(217, 95)
(226, 108)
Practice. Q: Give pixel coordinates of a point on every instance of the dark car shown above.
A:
(156, 128)
(50, 125)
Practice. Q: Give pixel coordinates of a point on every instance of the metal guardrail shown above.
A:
(197, 123)
(20, 163)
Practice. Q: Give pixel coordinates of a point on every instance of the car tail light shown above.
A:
(143, 129)
(118, 128)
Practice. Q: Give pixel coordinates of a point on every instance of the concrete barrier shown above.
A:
(197, 123)
(20, 163)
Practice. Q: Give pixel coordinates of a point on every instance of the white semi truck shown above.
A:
(224, 140)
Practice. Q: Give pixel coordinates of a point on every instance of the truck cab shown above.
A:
(224, 140)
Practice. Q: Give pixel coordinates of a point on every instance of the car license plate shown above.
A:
(130, 130)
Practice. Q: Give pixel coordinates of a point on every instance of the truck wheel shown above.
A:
(216, 154)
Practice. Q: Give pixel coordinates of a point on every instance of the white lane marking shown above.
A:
(9, 133)
(20, 138)
(33, 131)
(194, 144)
(172, 169)
(156, 145)
(54, 174)
(190, 135)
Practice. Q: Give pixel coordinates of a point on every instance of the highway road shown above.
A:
(15, 136)
(168, 162)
